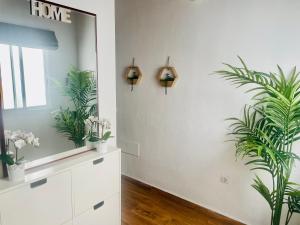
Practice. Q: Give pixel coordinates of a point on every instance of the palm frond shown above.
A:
(264, 191)
(267, 131)
(81, 88)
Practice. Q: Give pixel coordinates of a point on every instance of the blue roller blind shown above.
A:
(29, 37)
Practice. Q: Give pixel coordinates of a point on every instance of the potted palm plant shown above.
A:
(267, 132)
(81, 89)
(16, 164)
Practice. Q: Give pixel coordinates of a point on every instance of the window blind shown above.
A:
(29, 37)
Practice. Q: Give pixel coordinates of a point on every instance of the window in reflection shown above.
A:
(6, 73)
(17, 77)
(23, 73)
(34, 77)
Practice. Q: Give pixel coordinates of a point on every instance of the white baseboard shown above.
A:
(185, 198)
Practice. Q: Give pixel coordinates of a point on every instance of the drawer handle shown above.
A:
(98, 161)
(99, 205)
(38, 183)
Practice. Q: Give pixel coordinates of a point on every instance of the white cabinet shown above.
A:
(47, 201)
(95, 181)
(68, 223)
(106, 213)
(79, 190)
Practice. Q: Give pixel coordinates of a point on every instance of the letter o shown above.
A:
(47, 11)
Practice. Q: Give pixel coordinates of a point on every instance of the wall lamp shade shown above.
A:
(29, 37)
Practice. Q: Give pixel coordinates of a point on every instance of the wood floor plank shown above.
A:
(146, 205)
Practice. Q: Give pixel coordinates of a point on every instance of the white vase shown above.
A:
(16, 172)
(102, 147)
(92, 144)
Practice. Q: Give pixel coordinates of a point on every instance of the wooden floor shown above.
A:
(145, 205)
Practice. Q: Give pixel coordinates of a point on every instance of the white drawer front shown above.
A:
(107, 213)
(46, 202)
(95, 181)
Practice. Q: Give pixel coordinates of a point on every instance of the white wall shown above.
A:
(181, 135)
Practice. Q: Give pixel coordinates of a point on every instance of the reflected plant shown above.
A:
(18, 139)
(266, 133)
(81, 89)
(93, 124)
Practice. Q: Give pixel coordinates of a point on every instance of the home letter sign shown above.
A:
(49, 11)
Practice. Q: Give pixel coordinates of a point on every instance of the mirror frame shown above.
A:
(68, 153)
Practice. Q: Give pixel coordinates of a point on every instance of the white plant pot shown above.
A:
(92, 144)
(102, 147)
(16, 172)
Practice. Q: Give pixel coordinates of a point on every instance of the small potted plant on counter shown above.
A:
(93, 140)
(92, 136)
(105, 127)
(15, 163)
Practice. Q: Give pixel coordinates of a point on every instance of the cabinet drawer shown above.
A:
(95, 181)
(47, 202)
(106, 213)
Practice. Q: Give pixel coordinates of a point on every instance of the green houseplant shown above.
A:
(81, 90)
(266, 133)
(94, 139)
(16, 141)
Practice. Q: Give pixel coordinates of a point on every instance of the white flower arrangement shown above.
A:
(19, 139)
(93, 123)
(104, 125)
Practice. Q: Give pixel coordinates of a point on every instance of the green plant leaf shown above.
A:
(106, 136)
(7, 159)
(81, 89)
(263, 190)
(267, 131)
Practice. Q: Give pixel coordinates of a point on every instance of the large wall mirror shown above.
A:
(48, 65)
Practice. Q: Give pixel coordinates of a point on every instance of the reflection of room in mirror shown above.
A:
(35, 65)
(33, 76)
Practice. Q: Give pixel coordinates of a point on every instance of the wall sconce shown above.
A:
(133, 74)
(167, 76)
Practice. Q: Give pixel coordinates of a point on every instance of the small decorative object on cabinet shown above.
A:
(16, 164)
(105, 134)
(167, 76)
(133, 74)
(92, 138)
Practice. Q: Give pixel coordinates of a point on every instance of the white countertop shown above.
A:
(53, 168)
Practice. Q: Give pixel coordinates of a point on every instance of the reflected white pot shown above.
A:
(102, 147)
(92, 144)
(16, 172)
